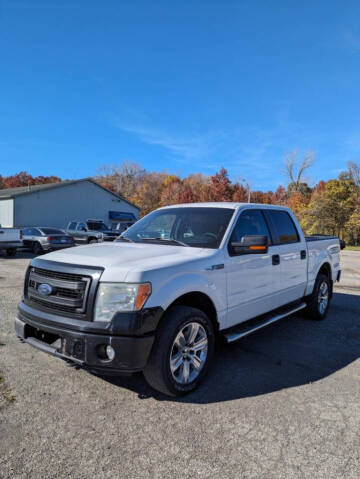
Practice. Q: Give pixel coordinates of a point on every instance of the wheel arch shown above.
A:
(199, 300)
(325, 269)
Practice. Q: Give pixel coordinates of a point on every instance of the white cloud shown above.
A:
(251, 153)
(188, 148)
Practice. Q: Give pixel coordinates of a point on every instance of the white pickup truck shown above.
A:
(10, 240)
(158, 298)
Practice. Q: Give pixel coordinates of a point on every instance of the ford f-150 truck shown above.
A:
(157, 299)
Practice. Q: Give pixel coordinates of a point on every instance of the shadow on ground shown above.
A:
(19, 255)
(290, 353)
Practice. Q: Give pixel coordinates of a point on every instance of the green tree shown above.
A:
(330, 209)
(352, 228)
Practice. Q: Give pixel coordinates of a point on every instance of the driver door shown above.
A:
(253, 281)
(81, 235)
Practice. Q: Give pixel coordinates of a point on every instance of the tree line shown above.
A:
(329, 207)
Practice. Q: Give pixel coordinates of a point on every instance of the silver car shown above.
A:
(40, 240)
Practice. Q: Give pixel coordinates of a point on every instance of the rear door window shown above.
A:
(72, 226)
(284, 226)
(51, 231)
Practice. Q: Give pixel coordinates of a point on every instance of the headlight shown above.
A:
(116, 297)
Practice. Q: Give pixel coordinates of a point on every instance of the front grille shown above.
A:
(57, 274)
(66, 292)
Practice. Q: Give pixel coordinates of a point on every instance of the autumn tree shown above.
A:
(172, 189)
(329, 211)
(148, 191)
(352, 227)
(240, 193)
(122, 179)
(196, 187)
(25, 179)
(220, 188)
(279, 197)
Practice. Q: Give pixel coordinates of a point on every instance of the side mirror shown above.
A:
(251, 244)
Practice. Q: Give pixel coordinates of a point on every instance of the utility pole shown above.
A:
(248, 188)
(249, 192)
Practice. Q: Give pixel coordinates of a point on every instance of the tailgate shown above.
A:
(8, 235)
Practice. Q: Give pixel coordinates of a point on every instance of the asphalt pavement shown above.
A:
(282, 403)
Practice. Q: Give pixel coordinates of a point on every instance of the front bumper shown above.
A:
(83, 347)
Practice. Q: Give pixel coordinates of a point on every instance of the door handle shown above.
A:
(275, 259)
(303, 254)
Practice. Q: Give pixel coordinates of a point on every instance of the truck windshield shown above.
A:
(96, 225)
(199, 227)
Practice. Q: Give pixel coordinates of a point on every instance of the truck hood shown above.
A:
(119, 259)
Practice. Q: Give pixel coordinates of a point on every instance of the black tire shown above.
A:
(157, 372)
(11, 252)
(314, 310)
(37, 248)
(92, 241)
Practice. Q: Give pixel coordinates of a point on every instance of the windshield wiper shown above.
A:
(169, 240)
(122, 238)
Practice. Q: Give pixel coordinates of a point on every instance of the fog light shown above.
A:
(110, 352)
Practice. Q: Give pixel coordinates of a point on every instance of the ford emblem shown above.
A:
(45, 289)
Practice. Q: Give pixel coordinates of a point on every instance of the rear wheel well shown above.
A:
(326, 270)
(200, 301)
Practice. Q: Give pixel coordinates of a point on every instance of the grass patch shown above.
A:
(5, 392)
(352, 248)
(8, 395)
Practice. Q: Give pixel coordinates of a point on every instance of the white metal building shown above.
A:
(57, 204)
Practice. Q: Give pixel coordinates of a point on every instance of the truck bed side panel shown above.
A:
(322, 251)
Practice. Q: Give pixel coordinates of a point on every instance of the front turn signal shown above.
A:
(143, 292)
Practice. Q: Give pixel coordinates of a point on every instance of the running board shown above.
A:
(258, 323)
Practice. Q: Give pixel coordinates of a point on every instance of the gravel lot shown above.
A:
(283, 403)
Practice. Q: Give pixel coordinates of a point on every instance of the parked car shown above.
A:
(157, 303)
(92, 231)
(43, 239)
(10, 240)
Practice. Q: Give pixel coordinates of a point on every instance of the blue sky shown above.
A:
(186, 86)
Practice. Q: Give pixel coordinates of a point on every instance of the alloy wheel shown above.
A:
(188, 353)
(323, 297)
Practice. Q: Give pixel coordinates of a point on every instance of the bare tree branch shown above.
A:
(295, 173)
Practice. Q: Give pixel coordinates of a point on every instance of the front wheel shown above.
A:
(182, 351)
(11, 252)
(37, 249)
(319, 301)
